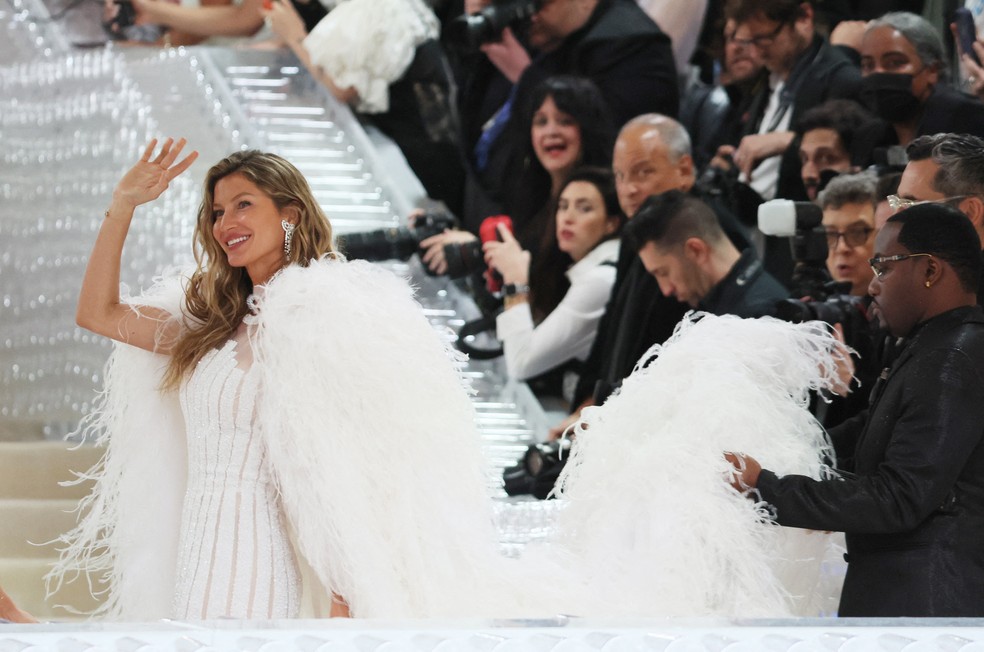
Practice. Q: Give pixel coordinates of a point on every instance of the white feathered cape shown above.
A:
(370, 436)
(371, 440)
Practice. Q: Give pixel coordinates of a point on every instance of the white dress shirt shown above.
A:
(569, 331)
(765, 176)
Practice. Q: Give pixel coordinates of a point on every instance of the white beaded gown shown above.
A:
(235, 558)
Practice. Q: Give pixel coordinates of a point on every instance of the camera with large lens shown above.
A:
(464, 258)
(469, 32)
(396, 243)
(828, 300)
(538, 470)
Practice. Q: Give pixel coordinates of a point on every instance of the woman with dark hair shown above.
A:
(554, 305)
(568, 124)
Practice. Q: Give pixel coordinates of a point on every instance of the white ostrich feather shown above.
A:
(650, 518)
(370, 436)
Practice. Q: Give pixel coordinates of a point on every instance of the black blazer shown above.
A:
(621, 50)
(912, 502)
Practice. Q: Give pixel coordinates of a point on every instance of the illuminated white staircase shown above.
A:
(35, 509)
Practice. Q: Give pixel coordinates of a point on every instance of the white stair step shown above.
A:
(35, 469)
(23, 580)
(29, 525)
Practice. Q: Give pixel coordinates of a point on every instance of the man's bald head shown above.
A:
(652, 155)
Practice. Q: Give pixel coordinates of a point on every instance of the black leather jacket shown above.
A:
(912, 502)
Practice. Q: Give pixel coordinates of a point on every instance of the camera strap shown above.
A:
(475, 327)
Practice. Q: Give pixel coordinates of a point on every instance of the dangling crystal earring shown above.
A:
(288, 234)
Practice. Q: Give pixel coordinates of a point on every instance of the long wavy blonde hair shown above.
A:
(215, 300)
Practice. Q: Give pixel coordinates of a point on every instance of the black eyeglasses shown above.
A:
(877, 262)
(761, 41)
(854, 236)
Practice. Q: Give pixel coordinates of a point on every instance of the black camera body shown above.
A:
(469, 32)
(125, 17)
(538, 470)
(127, 14)
(400, 243)
(396, 243)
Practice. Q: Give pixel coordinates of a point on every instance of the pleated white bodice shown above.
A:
(235, 559)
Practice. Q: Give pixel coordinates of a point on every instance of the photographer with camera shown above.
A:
(611, 42)
(552, 308)
(848, 205)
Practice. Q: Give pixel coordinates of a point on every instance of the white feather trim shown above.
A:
(373, 442)
(127, 537)
(650, 518)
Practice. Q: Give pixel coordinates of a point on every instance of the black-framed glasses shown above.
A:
(761, 41)
(854, 235)
(878, 261)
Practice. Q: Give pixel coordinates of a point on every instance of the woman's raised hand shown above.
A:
(150, 177)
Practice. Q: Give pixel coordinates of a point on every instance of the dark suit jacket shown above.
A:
(827, 74)
(625, 53)
(620, 49)
(950, 111)
(912, 506)
(747, 291)
(637, 316)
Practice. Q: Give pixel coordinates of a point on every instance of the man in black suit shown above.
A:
(805, 72)
(910, 496)
(682, 245)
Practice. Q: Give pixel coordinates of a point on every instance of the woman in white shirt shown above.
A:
(552, 311)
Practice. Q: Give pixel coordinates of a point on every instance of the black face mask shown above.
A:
(889, 96)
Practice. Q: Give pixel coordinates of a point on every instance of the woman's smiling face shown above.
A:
(556, 138)
(247, 226)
